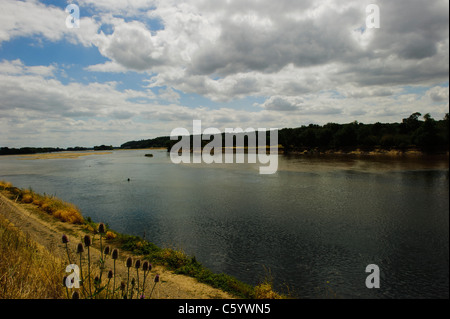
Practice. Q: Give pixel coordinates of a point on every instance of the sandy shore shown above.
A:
(47, 231)
(59, 155)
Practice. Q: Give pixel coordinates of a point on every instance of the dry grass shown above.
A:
(265, 291)
(64, 211)
(4, 184)
(27, 270)
(56, 207)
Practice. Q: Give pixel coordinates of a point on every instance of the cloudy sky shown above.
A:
(136, 69)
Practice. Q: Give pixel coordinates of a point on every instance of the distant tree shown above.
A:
(103, 148)
(411, 123)
(426, 136)
(346, 136)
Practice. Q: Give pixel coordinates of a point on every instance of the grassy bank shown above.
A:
(171, 259)
(27, 270)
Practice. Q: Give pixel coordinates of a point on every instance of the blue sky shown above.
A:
(137, 69)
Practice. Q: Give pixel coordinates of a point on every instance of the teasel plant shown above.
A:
(146, 268)
(122, 288)
(114, 256)
(129, 264)
(133, 283)
(137, 265)
(87, 243)
(156, 280)
(110, 276)
(101, 230)
(65, 241)
(106, 252)
(80, 251)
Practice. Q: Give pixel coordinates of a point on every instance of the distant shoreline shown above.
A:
(374, 152)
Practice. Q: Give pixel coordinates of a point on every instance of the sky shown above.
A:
(137, 69)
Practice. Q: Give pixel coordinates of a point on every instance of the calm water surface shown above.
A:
(313, 226)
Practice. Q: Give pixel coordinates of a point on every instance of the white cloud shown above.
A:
(307, 61)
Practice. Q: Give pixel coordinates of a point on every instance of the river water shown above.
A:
(312, 227)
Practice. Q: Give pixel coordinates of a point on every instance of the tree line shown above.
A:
(37, 150)
(417, 131)
(414, 132)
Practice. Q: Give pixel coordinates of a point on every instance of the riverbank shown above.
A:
(377, 152)
(180, 275)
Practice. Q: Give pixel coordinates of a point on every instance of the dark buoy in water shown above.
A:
(128, 179)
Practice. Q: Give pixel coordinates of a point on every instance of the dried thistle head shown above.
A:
(101, 228)
(145, 266)
(107, 250)
(80, 248)
(137, 264)
(115, 254)
(87, 240)
(65, 240)
(97, 281)
(156, 278)
(129, 262)
(110, 274)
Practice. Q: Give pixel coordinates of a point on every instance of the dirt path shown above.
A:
(47, 231)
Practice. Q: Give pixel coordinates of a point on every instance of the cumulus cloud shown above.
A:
(438, 94)
(303, 61)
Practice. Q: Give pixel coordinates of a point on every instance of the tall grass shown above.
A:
(27, 270)
(56, 207)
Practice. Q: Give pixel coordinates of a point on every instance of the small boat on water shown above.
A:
(148, 155)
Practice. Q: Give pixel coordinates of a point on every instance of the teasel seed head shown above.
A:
(110, 274)
(75, 295)
(156, 278)
(145, 266)
(65, 240)
(97, 281)
(122, 285)
(80, 248)
(101, 228)
(87, 240)
(137, 264)
(129, 262)
(107, 250)
(115, 253)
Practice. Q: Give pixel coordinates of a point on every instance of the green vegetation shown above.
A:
(163, 141)
(29, 150)
(427, 135)
(103, 148)
(180, 263)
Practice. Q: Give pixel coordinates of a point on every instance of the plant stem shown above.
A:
(114, 281)
(68, 255)
(89, 271)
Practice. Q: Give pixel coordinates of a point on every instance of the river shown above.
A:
(312, 227)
